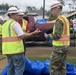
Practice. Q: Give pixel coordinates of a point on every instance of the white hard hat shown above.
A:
(21, 14)
(21, 11)
(12, 10)
(1, 18)
(55, 4)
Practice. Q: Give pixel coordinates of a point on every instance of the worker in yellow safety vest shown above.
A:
(24, 25)
(60, 40)
(12, 44)
(1, 22)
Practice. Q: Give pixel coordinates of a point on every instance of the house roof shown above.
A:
(71, 14)
(32, 14)
(3, 11)
(40, 12)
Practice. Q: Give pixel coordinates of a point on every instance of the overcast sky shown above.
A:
(36, 3)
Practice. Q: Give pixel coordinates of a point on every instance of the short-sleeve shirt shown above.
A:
(17, 28)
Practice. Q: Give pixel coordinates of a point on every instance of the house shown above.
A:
(71, 15)
(39, 12)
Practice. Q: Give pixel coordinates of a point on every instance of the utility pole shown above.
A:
(43, 9)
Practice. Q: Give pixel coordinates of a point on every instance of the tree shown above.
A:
(33, 8)
(4, 6)
(74, 3)
(14, 6)
(41, 8)
(62, 2)
(28, 8)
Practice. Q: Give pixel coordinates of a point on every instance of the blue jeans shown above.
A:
(16, 64)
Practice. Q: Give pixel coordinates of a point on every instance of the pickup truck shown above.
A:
(44, 27)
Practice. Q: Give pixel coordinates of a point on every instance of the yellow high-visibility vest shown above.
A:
(24, 24)
(0, 29)
(65, 38)
(11, 44)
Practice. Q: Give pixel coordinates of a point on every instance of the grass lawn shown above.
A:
(71, 60)
(2, 57)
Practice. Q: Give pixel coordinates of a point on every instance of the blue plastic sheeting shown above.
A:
(41, 21)
(4, 72)
(71, 70)
(36, 67)
(0, 74)
(49, 41)
(41, 68)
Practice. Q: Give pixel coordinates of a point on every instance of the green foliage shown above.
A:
(2, 57)
(5, 6)
(38, 58)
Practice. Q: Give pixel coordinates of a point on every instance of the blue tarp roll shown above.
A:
(41, 68)
(41, 21)
(33, 68)
(71, 70)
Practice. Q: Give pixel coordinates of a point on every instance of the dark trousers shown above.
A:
(24, 43)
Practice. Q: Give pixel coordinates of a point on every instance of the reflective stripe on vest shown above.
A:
(9, 28)
(11, 44)
(24, 24)
(9, 39)
(64, 40)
